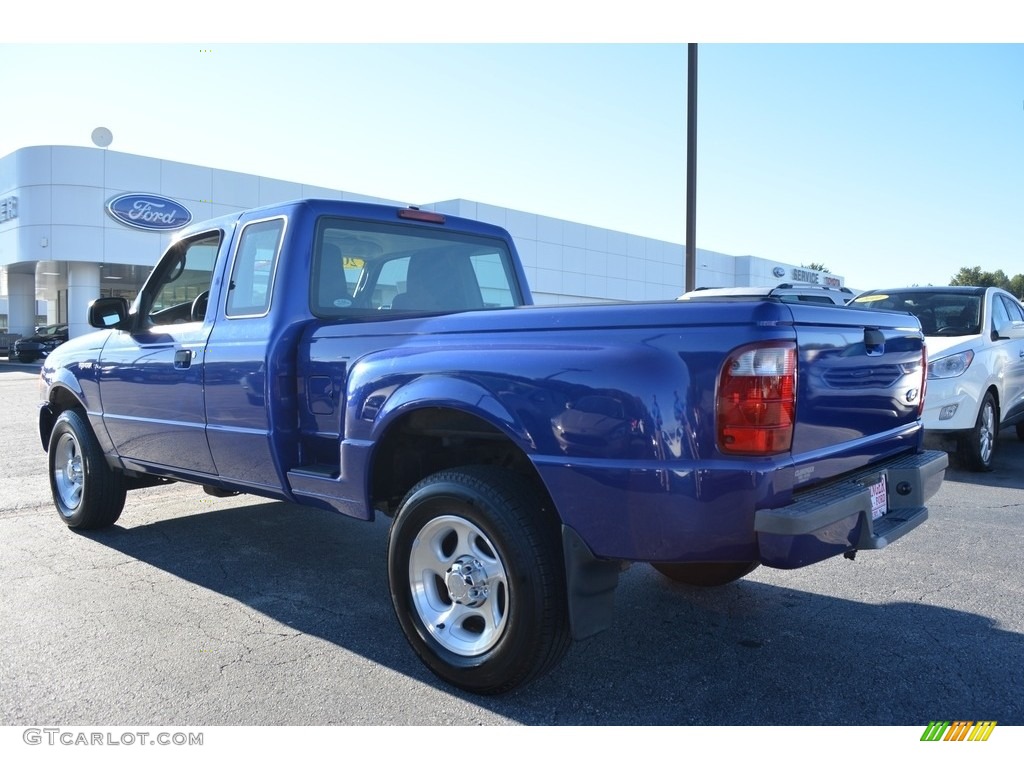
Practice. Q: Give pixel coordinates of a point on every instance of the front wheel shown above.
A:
(477, 579)
(978, 445)
(86, 491)
(705, 574)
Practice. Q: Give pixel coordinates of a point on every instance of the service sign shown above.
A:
(150, 212)
(8, 208)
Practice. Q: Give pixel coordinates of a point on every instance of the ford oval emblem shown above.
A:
(779, 272)
(150, 212)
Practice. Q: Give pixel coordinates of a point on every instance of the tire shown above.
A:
(484, 635)
(704, 574)
(1020, 430)
(978, 445)
(88, 494)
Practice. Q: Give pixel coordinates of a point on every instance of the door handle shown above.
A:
(183, 358)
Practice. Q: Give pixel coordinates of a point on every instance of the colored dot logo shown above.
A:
(960, 730)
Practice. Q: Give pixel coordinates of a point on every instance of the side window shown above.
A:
(999, 315)
(1014, 309)
(252, 274)
(181, 280)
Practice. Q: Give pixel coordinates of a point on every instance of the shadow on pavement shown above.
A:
(749, 653)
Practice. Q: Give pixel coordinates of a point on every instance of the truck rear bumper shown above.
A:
(841, 516)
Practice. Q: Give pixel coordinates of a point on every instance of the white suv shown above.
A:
(975, 342)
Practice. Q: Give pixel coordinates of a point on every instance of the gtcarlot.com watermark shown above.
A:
(70, 737)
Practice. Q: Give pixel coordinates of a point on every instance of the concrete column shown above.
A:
(83, 287)
(21, 303)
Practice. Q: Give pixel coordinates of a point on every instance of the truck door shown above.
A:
(250, 359)
(151, 378)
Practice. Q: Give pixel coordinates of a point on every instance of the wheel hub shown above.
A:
(73, 469)
(466, 580)
(459, 585)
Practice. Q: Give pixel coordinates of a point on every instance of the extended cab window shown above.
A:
(252, 274)
(178, 288)
(365, 268)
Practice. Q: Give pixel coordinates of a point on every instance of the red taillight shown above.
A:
(756, 402)
(417, 215)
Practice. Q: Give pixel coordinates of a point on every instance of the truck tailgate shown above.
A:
(860, 388)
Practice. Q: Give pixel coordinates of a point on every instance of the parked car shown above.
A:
(790, 293)
(975, 342)
(7, 340)
(40, 344)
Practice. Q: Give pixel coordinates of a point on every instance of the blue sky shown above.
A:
(889, 163)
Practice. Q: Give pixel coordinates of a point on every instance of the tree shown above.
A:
(967, 276)
(816, 266)
(1017, 286)
(975, 276)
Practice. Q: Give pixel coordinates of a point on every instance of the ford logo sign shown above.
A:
(778, 271)
(151, 212)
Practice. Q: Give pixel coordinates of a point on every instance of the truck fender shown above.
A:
(64, 391)
(444, 391)
(590, 582)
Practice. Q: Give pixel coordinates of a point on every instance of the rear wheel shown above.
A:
(477, 579)
(705, 574)
(86, 491)
(978, 445)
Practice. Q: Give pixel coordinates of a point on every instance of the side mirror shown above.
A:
(109, 313)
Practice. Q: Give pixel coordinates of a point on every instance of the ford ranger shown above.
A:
(372, 360)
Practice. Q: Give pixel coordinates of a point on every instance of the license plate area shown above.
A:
(879, 497)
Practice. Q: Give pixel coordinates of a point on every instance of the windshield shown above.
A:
(941, 313)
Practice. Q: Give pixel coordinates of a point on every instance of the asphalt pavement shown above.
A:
(244, 611)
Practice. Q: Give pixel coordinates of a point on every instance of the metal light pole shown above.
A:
(691, 169)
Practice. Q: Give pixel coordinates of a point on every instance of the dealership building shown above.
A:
(77, 223)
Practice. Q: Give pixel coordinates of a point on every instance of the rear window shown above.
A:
(363, 269)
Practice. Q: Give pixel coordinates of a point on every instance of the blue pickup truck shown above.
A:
(372, 359)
